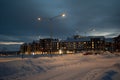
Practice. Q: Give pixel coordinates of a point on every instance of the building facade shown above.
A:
(117, 43)
(43, 46)
(109, 44)
(73, 44)
(77, 44)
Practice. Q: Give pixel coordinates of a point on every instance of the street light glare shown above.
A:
(39, 19)
(63, 15)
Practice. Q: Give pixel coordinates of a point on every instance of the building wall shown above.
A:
(73, 45)
(117, 43)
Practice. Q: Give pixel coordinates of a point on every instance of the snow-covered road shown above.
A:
(67, 67)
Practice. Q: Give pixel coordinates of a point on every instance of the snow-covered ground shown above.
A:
(63, 67)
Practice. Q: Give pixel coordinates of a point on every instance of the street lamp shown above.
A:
(63, 15)
(50, 20)
(39, 19)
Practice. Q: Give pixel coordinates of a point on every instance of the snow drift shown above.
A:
(63, 67)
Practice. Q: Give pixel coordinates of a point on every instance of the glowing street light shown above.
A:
(63, 15)
(50, 20)
(39, 19)
(60, 51)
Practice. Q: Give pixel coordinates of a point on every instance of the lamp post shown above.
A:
(50, 20)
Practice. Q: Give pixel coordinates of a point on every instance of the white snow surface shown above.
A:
(64, 67)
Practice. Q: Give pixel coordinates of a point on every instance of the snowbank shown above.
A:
(64, 67)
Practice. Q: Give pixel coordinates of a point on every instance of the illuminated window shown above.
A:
(84, 42)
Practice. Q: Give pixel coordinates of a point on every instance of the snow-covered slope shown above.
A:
(64, 67)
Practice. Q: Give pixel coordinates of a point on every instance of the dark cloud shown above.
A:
(18, 18)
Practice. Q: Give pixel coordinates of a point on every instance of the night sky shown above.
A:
(18, 20)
